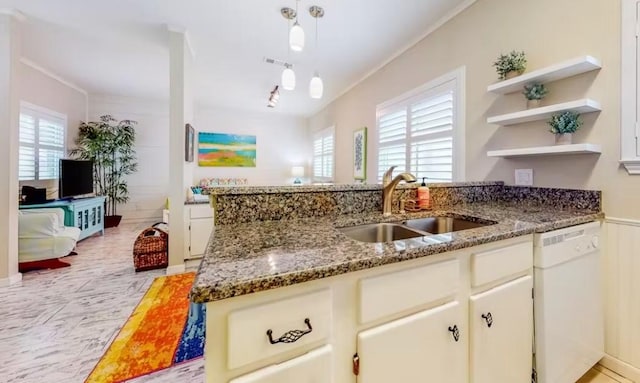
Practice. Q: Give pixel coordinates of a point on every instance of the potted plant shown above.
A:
(109, 144)
(563, 125)
(510, 65)
(534, 93)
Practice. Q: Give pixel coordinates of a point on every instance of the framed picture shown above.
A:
(360, 154)
(189, 134)
(226, 150)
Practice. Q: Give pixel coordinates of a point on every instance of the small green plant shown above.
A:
(511, 62)
(565, 122)
(535, 91)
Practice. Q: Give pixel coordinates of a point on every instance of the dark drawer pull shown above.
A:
(488, 318)
(290, 336)
(455, 332)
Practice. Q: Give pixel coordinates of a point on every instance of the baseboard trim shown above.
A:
(621, 368)
(12, 280)
(176, 269)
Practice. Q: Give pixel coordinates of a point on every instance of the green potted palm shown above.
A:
(109, 143)
(563, 125)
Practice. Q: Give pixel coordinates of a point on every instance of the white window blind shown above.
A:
(323, 144)
(416, 134)
(42, 143)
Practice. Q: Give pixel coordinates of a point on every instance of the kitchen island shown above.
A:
(294, 298)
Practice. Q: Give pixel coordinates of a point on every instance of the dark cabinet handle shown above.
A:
(290, 336)
(488, 318)
(455, 332)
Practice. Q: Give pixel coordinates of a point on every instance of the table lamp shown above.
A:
(297, 172)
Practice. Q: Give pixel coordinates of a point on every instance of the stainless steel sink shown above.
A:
(380, 232)
(439, 225)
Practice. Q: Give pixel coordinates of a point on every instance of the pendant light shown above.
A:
(316, 86)
(288, 78)
(296, 34)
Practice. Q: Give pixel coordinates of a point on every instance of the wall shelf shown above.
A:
(580, 106)
(554, 72)
(547, 151)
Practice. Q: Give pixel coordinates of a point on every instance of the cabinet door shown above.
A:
(200, 234)
(314, 367)
(419, 348)
(502, 333)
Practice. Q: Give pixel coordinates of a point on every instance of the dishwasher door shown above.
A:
(568, 309)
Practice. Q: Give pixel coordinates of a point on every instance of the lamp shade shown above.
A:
(297, 171)
(296, 38)
(288, 79)
(316, 87)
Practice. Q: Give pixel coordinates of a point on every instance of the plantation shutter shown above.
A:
(42, 143)
(323, 145)
(416, 135)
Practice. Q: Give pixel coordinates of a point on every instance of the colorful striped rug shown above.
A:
(165, 329)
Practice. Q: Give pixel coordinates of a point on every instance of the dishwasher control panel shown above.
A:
(565, 244)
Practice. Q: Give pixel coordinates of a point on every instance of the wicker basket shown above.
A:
(151, 249)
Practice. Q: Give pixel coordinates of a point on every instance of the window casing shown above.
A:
(630, 99)
(42, 143)
(323, 155)
(422, 132)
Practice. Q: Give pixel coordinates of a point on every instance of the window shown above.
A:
(323, 144)
(422, 132)
(630, 144)
(42, 138)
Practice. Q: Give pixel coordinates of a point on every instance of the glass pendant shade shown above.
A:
(288, 79)
(316, 87)
(296, 38)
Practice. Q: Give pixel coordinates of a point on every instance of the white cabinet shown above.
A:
(501, 322)
(314, 367)
(424, 347)
(199, 219)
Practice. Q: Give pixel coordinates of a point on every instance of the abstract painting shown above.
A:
(360, 154)
(226, 150)
(189, 134)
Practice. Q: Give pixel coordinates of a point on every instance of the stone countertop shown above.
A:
(251, 257)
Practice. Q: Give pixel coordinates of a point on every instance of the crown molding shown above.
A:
(52, 75)
(13, 12)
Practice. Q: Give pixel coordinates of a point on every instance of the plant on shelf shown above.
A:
(563, 125)
(534, 93)
(109, 144)
(510, 65)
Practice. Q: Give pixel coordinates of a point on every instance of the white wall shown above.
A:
(282, 142)
(43, 88)
(149, 186)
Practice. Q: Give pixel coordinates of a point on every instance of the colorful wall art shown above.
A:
(226, 150)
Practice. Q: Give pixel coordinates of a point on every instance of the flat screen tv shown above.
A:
(76, 178)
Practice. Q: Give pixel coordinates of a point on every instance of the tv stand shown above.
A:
(87, 214)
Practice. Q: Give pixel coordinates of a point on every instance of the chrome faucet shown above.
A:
(389, 186)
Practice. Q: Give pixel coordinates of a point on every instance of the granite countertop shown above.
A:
(251, 257)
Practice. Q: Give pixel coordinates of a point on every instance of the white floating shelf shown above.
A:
(579, 106)
(547, 150)
(551, 73)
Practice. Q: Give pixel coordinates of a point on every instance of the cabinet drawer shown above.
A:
(495, 264)
(392, 293)
(248, 339)
(201, 211)
(316, 366)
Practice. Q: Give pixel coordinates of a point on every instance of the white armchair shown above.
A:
(42, 235)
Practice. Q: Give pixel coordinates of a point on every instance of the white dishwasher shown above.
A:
(569, 318)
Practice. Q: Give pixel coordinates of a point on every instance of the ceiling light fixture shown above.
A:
(316, 86)
(274, 97)
(296, 33)
(288, 78)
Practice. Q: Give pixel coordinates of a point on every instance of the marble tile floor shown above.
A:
(56, 324)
